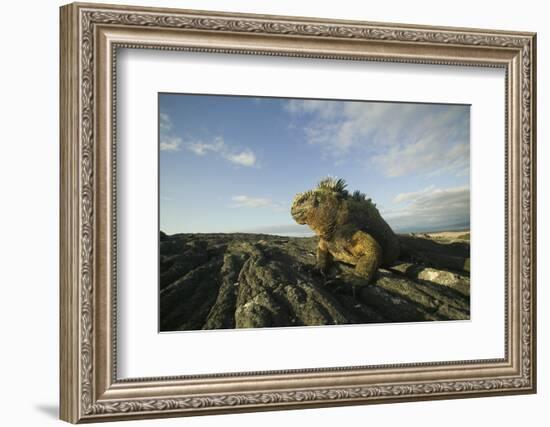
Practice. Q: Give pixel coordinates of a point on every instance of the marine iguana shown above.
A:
(350, 228)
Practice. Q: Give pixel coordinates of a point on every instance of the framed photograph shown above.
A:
(267, 212)
(253, 251)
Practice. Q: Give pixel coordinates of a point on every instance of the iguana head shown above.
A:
(303, 205)
(318, 208)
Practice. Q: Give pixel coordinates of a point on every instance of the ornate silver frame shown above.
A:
(90, 36)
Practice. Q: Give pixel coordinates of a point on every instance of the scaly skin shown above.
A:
(350, 228)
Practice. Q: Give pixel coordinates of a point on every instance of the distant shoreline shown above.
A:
(307, 236)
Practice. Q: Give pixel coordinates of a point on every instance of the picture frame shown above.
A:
(91, 36)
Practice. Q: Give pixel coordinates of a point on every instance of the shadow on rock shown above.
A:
(225, 281)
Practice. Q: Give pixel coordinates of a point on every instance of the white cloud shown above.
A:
(323, 108)
(431, 208)
(430, 155)
(201, 148)
(165, 123)
(415, 195)
(399, 138)
(244, 158)
(242, 201)
(170, 143)
(218, 146)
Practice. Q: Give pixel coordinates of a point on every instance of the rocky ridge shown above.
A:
(225, 281)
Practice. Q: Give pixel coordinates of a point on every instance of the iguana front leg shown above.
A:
(369, 255)
(363, 251)
(366, 268)
(324, 258)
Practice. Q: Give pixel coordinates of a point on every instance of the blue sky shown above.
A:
(234, 164)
